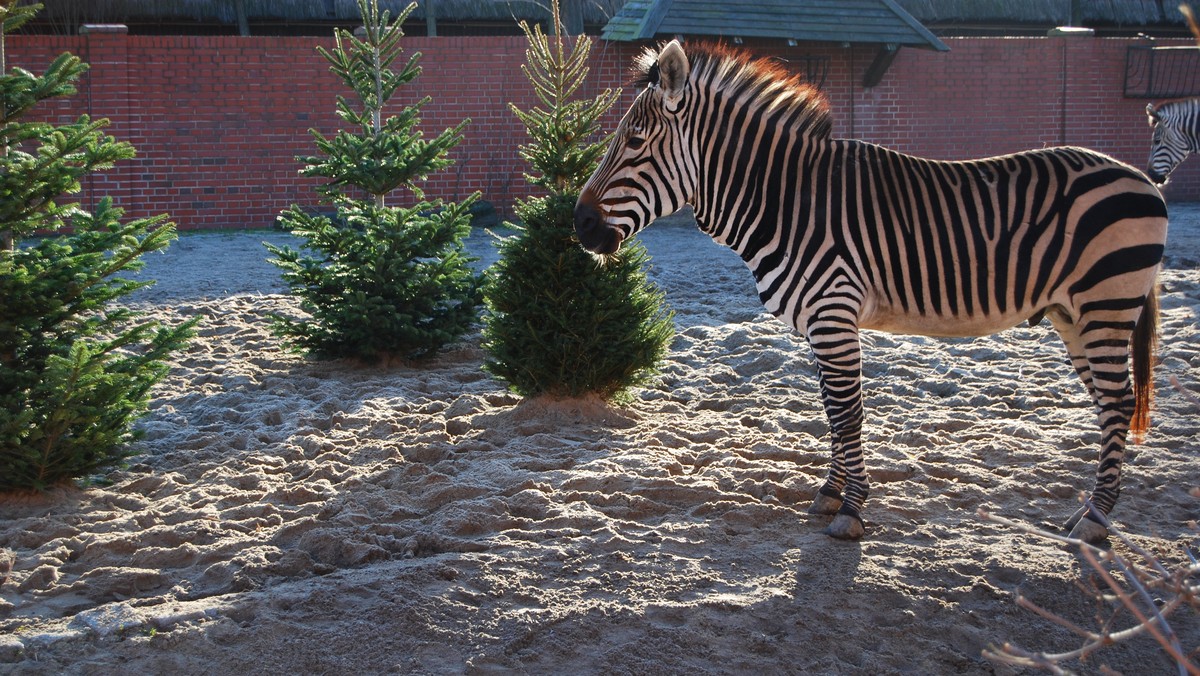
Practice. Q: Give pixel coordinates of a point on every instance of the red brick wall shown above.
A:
(995, 96)
(219, 121)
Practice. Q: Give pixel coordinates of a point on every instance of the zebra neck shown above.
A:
(749, 204)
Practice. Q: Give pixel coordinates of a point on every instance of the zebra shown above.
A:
(843, 235)
(1175, 133)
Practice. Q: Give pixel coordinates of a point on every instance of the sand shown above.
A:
(287, 516)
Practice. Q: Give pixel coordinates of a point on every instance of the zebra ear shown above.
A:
(1151, 112)
(672, 71)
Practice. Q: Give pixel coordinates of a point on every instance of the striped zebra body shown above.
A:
(944, 248)
(843, 235)
(1175, 134)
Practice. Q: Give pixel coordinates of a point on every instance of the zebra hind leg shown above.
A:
(1102, 362)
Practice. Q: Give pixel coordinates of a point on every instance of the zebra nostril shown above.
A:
(587, 218)
(1155, 177)
(594, 234)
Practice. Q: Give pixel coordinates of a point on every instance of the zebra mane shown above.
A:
(1171, 111)
(766, 79)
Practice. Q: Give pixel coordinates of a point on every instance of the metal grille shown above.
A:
(814, 67)
(816, 70)
(1162, 72)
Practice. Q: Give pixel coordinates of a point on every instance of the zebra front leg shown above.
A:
(838, 354)
(829, 499)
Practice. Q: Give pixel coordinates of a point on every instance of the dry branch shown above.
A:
(1177, 588)
(1187, 394)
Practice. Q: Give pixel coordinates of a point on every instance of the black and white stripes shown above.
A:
(1175, 134)
(843, 235)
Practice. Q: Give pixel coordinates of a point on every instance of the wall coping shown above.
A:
(104, 28)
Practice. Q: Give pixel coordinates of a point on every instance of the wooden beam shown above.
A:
(652, 19)
(571, 15)
(239, 6)
(884, 57)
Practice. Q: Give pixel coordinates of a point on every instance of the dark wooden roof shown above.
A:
(185, 14)
(309, 10)
(942, 17)
(1128, 13)
(872, 21)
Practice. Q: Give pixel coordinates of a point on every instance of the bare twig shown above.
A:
(1150, 616)
(1149, 558)
(1187, 394)
(1157, 625)
(1015, 655)
(1063, 622)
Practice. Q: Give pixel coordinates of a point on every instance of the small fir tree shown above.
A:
(557, 321)
(377, 280)
(75, 371)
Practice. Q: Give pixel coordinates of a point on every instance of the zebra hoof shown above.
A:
(1085, 528)
(825, 504)
(845, 527)
(1074, 520)
(1088, 531)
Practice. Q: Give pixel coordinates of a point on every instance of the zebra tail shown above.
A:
(1145, 337)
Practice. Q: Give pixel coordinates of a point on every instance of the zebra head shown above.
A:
(645, 173)
(1170, 142)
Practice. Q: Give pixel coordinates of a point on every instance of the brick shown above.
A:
(218, 121)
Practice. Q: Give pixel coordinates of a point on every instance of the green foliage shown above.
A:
(390, 281)
(559, 321)
(563, 324)
(75, 370)
(377, 280)
(565, 147)
(13, 15)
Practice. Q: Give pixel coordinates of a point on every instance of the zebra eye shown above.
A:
(635, 142)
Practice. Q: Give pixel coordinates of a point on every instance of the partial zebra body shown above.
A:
(843, 235)
(999, 257)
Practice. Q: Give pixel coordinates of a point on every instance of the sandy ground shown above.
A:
(286, 516)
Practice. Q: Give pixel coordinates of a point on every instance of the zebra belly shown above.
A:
(892, 321)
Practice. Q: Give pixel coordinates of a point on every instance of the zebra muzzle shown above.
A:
(594, 234)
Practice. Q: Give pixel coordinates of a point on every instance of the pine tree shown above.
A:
(558, 322)
(378, 280)
(75, 371)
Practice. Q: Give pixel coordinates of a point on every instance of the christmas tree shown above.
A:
(558, 321)
(377, 280)
(75, 370)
